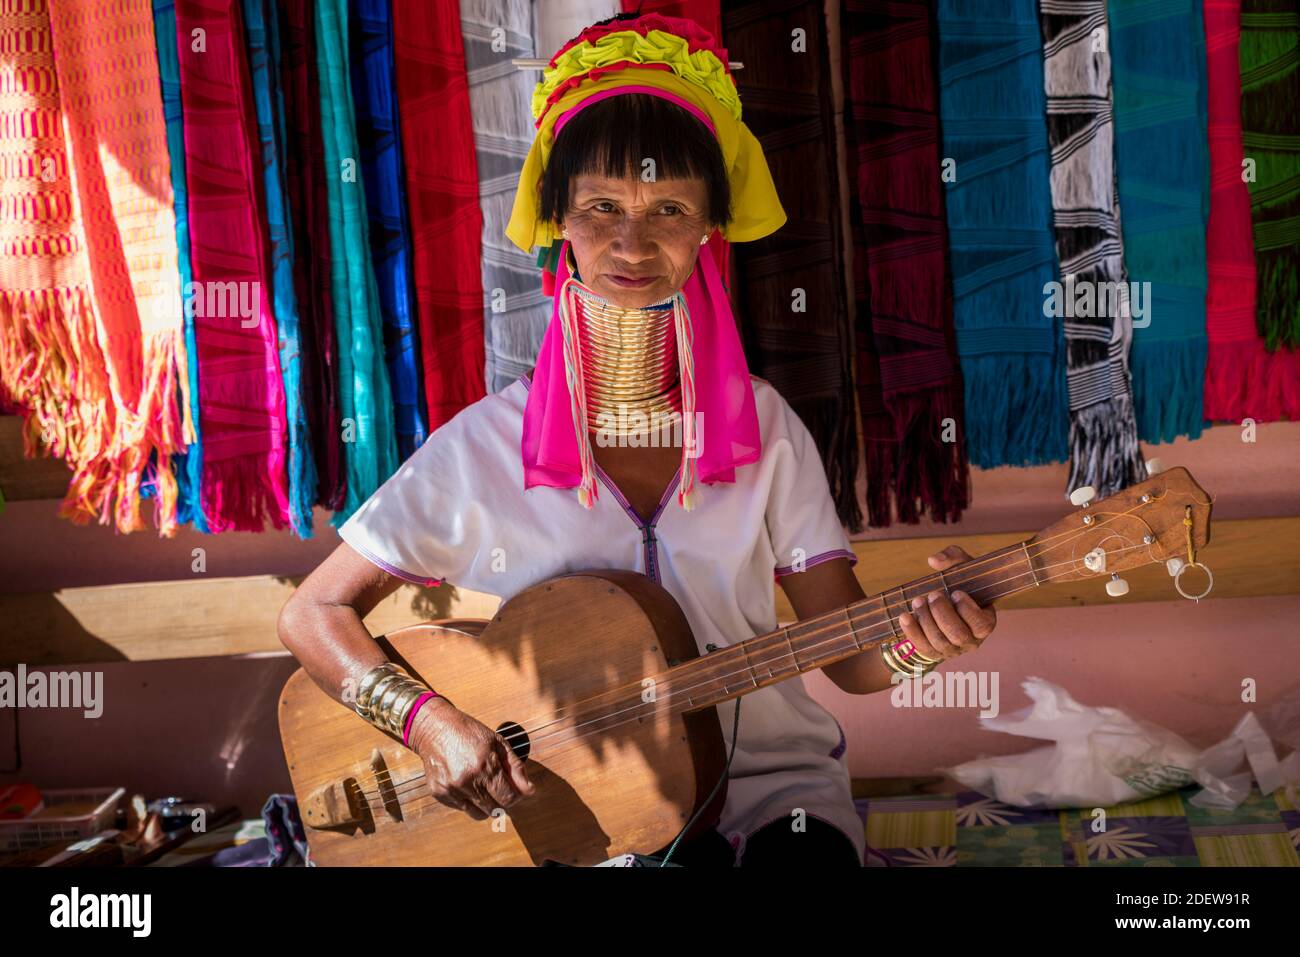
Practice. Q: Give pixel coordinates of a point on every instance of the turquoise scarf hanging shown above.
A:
(365, 400)
(262, 33)
(999, 202)
(1162, 163)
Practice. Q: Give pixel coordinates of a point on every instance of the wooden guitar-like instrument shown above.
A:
(595, 679)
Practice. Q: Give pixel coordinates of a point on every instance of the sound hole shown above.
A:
(516, 737)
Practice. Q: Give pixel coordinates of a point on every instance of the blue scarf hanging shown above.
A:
(999, 204)
(371, 35)
(1162, 163)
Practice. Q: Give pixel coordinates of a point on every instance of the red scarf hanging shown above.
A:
(1242, 378)
(442, 198)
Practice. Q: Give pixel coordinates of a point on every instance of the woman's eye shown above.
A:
(672, 208)
(600, 207)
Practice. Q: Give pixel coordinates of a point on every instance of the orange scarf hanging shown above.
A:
(90, 313)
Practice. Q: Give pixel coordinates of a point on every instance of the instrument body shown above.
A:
(596, 679)
(631, 787)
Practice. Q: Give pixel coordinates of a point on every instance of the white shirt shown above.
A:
(460, 497)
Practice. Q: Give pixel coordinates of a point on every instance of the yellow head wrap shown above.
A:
(757, 211)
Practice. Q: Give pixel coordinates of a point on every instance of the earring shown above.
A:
(704, 240)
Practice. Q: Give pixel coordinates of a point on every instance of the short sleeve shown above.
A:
(801, 519)
(427, 523)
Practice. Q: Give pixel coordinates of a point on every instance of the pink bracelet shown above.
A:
(410, 718)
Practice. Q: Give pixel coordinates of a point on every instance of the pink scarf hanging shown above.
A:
(1242, 378)
(241, 392)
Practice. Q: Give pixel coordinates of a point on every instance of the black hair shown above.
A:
(613, 137)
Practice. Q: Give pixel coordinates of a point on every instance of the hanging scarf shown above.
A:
(188, 465)
(309, 210)
(442, 197)
(909, 388)
(365, 399)
(801, 342)
(91, 334)
(245, 483)
(998, 198)
(1270, 120)
(262, 31)
(374, 90)
(515, 311)
(1104, 451)
(1162, 165)
(695, 77)
(1242, 378)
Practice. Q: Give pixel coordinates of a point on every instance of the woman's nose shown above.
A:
(632, 241)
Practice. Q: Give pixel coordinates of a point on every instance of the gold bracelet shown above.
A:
(366, 687)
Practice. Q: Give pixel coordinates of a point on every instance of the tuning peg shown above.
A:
(1095, 560)
(1117, 586)
(1083, 495)
(1174, 566)
(1154, 467)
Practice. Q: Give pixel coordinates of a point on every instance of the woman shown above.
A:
(640, 157)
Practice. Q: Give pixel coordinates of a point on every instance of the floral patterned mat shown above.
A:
(968, 829)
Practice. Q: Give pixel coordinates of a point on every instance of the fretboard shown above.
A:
(825, 639)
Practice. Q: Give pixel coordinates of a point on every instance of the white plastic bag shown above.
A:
(1103, 757)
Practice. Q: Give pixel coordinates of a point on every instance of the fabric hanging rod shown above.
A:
(539, 63)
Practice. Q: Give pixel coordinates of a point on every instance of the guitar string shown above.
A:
(863, 604)
(780, 637)
(421, 803)
(404, 785)
(776, 637)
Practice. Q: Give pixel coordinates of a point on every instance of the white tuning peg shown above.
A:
(1154, 466)
(1095, 560)
(1083, 495)
(1174, 566)
(1117, 586)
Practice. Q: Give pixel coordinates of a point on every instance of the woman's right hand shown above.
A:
(468, 766)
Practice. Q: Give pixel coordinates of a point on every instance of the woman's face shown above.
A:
(624, 230)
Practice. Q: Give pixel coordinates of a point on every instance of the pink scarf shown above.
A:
(241, 391)
(1242, 378)
(712, 358)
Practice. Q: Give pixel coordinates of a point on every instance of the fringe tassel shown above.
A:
(934, 476)
(1168, 388)
(1243, 381)
(52, 365)
(1023, 412)
(238, 489)
(1278, 297)
(1104, 450)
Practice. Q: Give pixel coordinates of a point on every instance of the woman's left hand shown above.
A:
(941, 627)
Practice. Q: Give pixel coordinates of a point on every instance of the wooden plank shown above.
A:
(23, 479)
(225, 616)
(189, 619)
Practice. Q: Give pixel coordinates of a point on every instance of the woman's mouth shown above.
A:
(631, 282)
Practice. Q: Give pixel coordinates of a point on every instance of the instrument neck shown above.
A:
(825, 639)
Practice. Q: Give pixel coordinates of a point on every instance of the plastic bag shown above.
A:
(1103, 757)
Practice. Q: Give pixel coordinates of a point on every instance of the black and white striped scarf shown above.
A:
(1104, 450)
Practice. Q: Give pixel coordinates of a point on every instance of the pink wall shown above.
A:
(207, 727)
